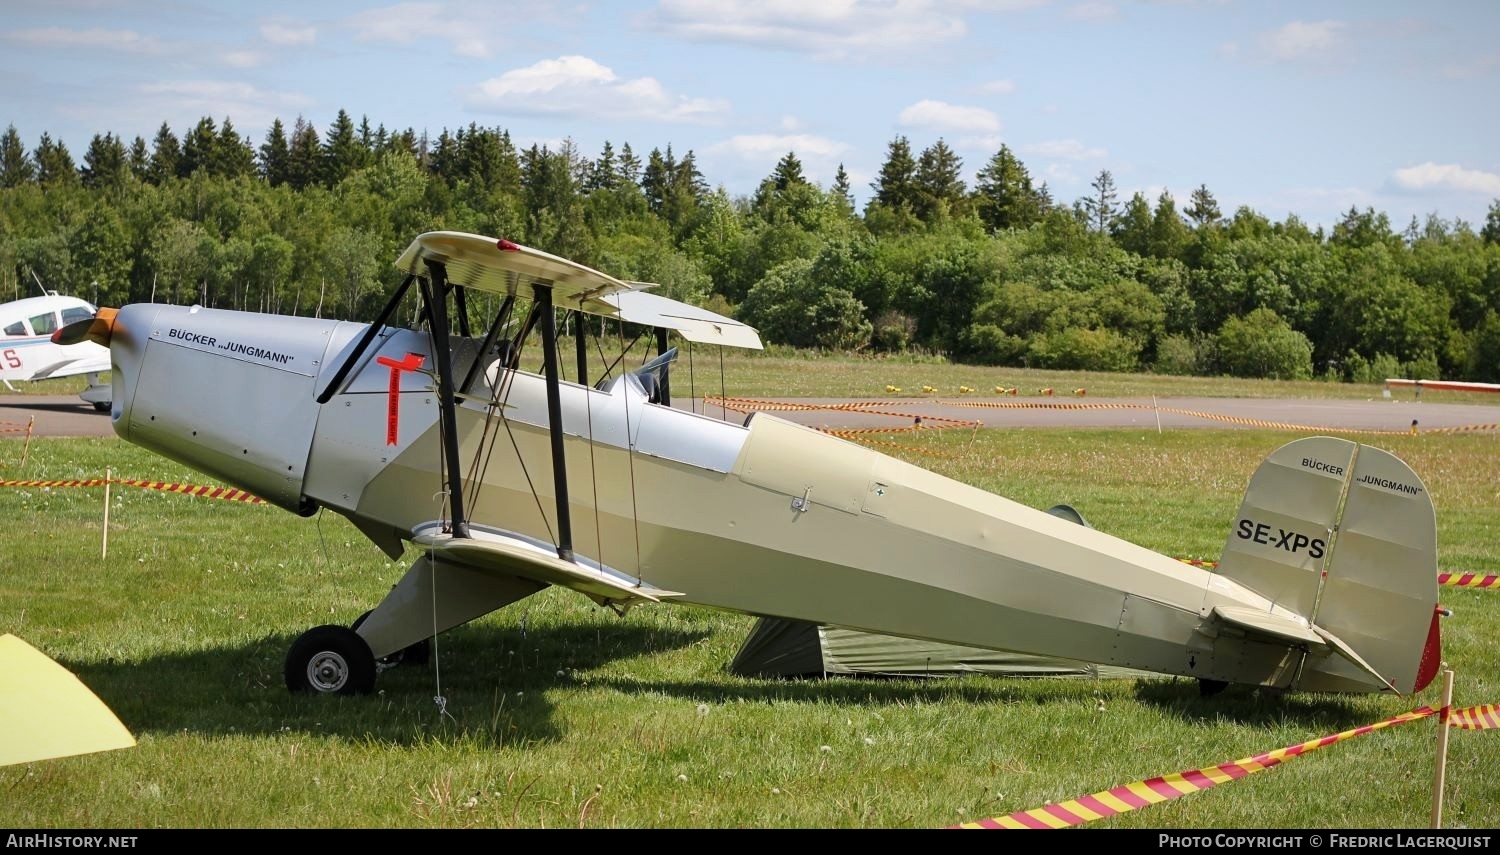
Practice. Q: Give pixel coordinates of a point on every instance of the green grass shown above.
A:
(786, 373)
(562, 714)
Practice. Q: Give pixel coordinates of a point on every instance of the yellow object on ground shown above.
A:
(46, 712)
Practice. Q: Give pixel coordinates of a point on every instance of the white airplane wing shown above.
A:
(499, 266)
(690, 322)
(90, 364)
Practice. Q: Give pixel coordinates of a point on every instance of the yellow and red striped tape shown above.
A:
(1469, 580)
(1449, 580)
(1485, 717)
(1152, 791)
(228, 494)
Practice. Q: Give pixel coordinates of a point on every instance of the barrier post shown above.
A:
(104, 541)
(1156, 410)
(25, 447)
(1442, 750)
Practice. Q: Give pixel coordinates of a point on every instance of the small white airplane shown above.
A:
(507, 481)
(28, 353)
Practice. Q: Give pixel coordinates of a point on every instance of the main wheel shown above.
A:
(413, 654)
(102, 406)
(330, 660)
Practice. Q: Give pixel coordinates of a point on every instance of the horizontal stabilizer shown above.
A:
(1256, 622)
(1317, 640)
(512, 554)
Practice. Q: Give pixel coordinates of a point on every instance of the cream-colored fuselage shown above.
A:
(778, 519)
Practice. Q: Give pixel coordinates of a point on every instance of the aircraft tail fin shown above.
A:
(1345, 536)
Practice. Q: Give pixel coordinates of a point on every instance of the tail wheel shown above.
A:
(330, 660)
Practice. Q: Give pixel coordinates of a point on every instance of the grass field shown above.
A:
(783, 372)
(561, 714)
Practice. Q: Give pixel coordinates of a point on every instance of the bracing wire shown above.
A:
(530, 485)
(439, 698)
(635, 514)
(588, 401)
(486, 439)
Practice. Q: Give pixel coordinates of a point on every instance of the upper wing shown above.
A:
(488, 264)
(691, 322)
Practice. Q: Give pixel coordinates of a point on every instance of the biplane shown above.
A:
(27, 352)
(507, 480)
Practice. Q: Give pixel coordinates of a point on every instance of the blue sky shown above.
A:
(1305, 107)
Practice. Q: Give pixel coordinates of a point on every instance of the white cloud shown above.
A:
(95, 38)
(185, 101)
(751, 157)
(1298, 41)
(243, 58)
(989, 143)
(997, 5)
(1304, 39)
(1445, 176)
(1471, 67)
(1093, 10)
(999, 87)
(577, 85)
(1059, 173)
(940, 115)
(752, 146)
(791, 123)
(826, 28)
(1069, 149)
(282, 32)
(406, 23)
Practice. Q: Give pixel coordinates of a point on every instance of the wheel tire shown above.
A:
(419, 653)
(1209, 688)
(102, 406)
(330, 660)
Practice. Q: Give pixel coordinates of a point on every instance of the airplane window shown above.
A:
(44, 324)
(77, 313)
(15, 329)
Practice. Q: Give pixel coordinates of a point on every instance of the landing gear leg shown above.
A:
(413, 654)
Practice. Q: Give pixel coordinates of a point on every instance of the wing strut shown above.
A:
(548, 320)
(364, 342)
(435, 296)
(666, 376)
(581, 347)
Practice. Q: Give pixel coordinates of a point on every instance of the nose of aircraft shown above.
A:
(98, 329)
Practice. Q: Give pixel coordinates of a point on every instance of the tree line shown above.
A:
(997, 273)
